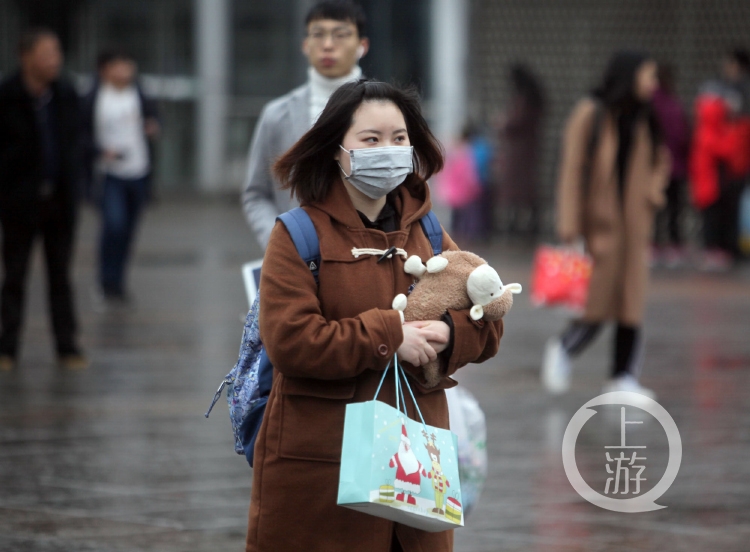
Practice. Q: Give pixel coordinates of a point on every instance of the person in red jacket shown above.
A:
(720, 159)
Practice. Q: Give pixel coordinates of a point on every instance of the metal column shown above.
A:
(212, 39)
(450, 19)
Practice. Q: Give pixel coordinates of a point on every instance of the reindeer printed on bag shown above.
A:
(439, 481)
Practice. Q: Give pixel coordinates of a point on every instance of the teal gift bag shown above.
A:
(397, 468)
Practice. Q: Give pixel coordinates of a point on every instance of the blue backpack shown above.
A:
(249, 382)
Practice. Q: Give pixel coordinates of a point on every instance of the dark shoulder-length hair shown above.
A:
(309, 169)
(617, 88)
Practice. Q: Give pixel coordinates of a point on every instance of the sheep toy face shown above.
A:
(483, 286)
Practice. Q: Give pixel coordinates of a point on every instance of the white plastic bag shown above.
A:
(468, 423)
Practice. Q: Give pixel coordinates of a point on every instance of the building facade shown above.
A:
(213, 64)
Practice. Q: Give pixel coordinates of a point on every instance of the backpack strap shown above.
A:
(304, 236)
(433, 231)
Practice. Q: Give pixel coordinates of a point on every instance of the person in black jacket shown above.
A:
(39, 163)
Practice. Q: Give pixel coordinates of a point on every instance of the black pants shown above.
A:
(626, 351)
(721, 219)
(670, 215)
(56, 226)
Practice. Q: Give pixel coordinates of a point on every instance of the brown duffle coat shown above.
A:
(329, 345)
(617, 232)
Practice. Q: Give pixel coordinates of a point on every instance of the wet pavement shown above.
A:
(120, 457)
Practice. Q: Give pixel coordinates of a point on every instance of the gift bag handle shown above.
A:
(400, 391)
(411, 393)
(382, 379)
(400, 399)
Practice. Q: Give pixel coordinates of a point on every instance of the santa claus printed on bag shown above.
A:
(409, 470)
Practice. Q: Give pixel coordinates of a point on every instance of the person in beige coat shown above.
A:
(613, 173)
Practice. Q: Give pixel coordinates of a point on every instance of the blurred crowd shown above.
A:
(705, 219)
(56, 147)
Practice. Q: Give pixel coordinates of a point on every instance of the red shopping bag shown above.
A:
(560, 277)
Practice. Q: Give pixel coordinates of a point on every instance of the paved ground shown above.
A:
(120, 457)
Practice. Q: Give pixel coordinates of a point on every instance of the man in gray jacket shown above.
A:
(334, 44)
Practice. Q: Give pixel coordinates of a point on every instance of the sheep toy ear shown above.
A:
(399, 304)
(414, 266)
(436, 264)
(476, 312)
(514, 288)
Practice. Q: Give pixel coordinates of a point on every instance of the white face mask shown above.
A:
(377, 171)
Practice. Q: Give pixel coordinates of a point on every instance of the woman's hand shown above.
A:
(441, 328)
(110, 156)
(567, 236)
(416, 348)
(152, 128)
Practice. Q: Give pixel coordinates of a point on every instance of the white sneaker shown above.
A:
(556, 367)
(627, 382)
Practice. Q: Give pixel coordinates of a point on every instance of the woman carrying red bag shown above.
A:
(612, 178)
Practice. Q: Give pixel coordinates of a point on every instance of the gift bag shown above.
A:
(560, 277)
(397, 468)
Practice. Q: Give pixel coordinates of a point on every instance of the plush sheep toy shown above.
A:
(453, 280)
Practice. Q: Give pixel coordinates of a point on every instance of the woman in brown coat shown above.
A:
(614, 170)
(329, 343)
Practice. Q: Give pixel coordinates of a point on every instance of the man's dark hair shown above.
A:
(30, 38)
(339, 10)
(742, 58)
(109, 55)
(309, 170)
